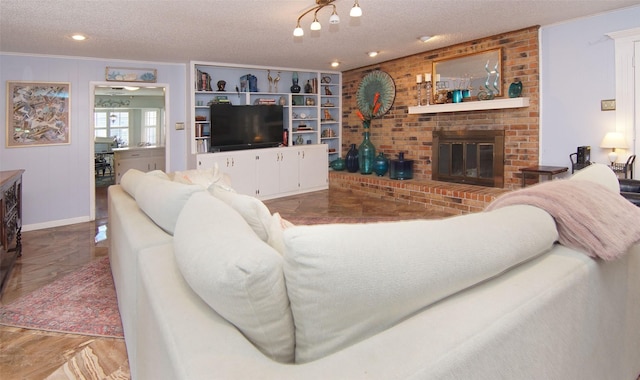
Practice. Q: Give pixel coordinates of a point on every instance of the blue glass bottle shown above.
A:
(351, 159)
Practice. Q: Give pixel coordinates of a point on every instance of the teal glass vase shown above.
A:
(366, 154)
(381, 165)
(338, 164)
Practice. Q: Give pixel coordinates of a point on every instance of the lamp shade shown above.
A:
(613, 140)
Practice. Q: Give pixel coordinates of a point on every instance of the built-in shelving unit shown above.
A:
(471, 106)
(312, 116)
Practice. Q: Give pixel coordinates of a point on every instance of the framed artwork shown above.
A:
(125, 74)
(38, 113)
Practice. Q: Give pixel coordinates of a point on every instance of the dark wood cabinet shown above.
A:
(10, 222)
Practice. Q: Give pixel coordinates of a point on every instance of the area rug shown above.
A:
(83, 302)
(308, 220)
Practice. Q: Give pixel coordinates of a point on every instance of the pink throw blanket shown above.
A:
(589, 217)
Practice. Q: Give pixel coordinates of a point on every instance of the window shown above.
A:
(110, 123)
(151, 126)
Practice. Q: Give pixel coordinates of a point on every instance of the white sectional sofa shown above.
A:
(212, 286)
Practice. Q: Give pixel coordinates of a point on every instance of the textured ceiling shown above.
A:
(259, 32)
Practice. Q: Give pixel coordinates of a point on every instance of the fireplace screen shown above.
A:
(473, 157)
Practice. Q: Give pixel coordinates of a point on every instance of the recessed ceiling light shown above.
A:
(335, 64)
(79, 37)
(424, 38)
(372, 53)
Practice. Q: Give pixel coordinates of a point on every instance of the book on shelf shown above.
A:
(264, 101)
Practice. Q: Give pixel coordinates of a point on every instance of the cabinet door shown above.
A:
(277, 171)
(268, 172)
(240, 166)
(314, 170)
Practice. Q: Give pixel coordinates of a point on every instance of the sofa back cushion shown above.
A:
(347, 282)
(162, 199)
(236, 273)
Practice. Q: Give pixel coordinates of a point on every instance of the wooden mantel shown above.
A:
(471, 106)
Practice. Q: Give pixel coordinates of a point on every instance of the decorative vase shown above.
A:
(366, 153)
(401, 168)
(294, 78)
(338, 164)
(381, 165)
(351, 159)
(515, 89)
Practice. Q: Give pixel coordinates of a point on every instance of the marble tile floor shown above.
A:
(51, 253)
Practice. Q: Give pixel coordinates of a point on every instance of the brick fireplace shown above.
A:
(399, 131)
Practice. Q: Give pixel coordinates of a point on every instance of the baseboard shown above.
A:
(54, 223)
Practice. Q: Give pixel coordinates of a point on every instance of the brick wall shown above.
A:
(398, 131)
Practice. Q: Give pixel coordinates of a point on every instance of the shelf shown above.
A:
(471, 106)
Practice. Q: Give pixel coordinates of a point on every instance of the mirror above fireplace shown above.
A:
(471, 71)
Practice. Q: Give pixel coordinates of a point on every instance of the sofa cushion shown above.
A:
(236, 273)
(349, 282)
(252, 209)
(162, 200)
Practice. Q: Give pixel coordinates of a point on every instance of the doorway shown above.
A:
(125, 115)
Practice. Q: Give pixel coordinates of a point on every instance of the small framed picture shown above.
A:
(298, 100)
(125, 74)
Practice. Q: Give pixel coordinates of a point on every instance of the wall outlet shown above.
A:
(179, 126)
(608, 105)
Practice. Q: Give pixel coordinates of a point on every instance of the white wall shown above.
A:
(577, 71)
(56, 183)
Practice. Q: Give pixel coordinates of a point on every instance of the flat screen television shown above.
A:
(245, 127)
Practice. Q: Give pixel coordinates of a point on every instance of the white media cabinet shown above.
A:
(272, 172)
(312, 121)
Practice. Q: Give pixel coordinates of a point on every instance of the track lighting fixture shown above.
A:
(356, 11)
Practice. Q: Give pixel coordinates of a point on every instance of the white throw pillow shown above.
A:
(162, 200)
(235, 273)
(202, 177)
(599, 173)
(159, 174)
(131, 180)
(252, 209)
(347, 282)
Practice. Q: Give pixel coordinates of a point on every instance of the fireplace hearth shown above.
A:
(474, 157)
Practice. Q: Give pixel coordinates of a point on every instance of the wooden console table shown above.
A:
(549, 171)
(10, 222)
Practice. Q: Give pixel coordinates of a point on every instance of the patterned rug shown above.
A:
(308, 220)
(83, 302)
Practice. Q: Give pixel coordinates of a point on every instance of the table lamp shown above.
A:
(613, 140)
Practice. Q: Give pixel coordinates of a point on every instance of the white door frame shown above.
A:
(92, 107)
